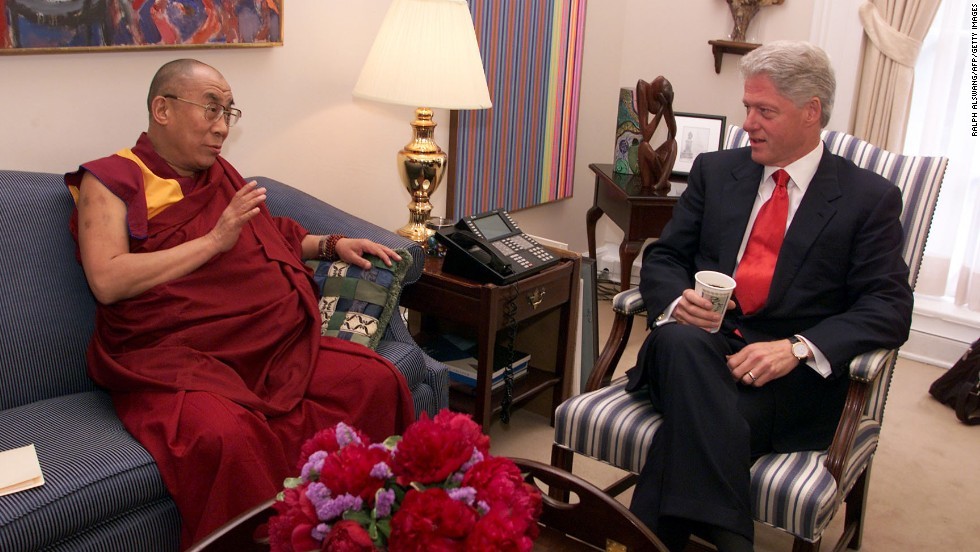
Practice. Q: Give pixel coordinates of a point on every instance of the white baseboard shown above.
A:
(941, 332)
(932, 349)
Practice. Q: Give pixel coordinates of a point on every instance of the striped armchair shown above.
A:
(799, 492)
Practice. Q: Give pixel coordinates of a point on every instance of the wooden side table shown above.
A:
(445, 301)
(639, 215)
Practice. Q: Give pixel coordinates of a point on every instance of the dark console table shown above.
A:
(639, 214)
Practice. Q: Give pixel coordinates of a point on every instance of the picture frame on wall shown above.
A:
(45, 27)
(697, 133)
(530, 131)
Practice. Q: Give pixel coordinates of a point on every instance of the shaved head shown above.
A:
(170, 77)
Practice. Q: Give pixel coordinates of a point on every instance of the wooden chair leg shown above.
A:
(800, 545)
(561, 458)
(854, 510)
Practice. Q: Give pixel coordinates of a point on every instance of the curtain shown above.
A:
(943, 121)
(894, 29)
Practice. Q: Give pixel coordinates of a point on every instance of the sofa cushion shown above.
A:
(355, 303)
(95, 473)
(48, 310)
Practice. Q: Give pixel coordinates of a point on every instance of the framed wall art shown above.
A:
(56, 26)
(521, 152)
(696, 133)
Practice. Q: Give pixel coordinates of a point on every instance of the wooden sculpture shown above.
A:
(742, 13)
(656, 99)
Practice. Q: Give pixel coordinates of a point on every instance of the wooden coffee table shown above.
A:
(603, 513)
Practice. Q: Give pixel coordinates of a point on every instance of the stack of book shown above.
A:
(460, 355)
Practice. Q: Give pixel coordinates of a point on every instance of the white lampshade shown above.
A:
(425, 54)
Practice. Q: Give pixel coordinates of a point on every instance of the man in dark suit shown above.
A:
(774, 378)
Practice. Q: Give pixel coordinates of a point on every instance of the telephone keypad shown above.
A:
(519, 248)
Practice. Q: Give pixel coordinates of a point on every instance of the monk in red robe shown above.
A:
(208, 331)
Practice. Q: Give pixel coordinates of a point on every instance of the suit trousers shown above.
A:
(714, 427)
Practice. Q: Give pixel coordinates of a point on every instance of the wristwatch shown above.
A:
(800, 349)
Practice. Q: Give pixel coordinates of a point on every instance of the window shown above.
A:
(943, 121)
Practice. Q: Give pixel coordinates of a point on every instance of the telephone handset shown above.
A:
(482, 251)
(490, 247)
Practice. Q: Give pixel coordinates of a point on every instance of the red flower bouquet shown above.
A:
(436, 488)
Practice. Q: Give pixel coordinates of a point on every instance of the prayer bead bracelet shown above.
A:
(328, 247)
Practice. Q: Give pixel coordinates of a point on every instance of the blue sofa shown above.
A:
(102, 489)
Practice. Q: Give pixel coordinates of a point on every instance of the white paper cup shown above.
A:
(717, 288)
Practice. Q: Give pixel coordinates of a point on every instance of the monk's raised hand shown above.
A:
(244, 205)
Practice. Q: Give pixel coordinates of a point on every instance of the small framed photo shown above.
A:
(696, 134)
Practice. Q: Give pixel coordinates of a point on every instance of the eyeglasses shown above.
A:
(213, 111)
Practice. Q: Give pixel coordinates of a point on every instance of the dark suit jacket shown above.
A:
(840, 279)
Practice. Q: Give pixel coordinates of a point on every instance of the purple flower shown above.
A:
(466, 495)
(318, 493)
(474, 460)
(346, 435)
(313, 465)
(381, 470)
(383, 500)
(335, 507)
(482, 507)
(320, 531)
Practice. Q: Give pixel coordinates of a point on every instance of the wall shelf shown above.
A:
(721, 47)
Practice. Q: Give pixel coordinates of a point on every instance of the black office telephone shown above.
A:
(489, 247)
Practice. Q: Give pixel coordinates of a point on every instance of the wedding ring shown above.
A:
(749, 373)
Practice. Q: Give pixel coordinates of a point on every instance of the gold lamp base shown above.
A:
(421, 166)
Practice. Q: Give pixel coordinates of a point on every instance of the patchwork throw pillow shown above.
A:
(356, 304)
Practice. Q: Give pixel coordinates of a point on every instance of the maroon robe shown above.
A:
(222, 374)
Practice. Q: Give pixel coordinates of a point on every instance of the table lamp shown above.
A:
(424, 55)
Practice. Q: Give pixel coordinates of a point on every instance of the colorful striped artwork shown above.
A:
(521, 152)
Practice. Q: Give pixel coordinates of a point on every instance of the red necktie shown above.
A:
(754, 274)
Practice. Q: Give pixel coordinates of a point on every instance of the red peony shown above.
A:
(466, 428)
(436, 488)
(430, 521)
(498, 531)
(326, 440)
(349, 471)
(499, 484)
(291, 529)
(430, 452)
(348, 536)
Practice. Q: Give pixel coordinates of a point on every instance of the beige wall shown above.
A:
(301, 125)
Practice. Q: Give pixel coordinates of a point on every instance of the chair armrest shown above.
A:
(626, 304)
(868, 366)
(320, 217)
(864, 370)
(629, 302)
